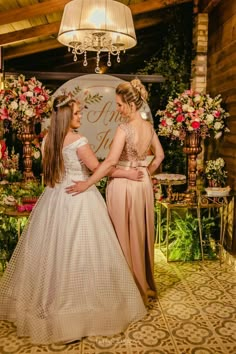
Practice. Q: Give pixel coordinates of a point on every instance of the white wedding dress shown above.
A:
(68, 277)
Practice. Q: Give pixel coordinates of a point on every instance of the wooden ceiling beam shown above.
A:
(65, 76)
(53, 28)
(28, 33)
(47, 30)
(40, 46)
(29, 11)
(151, 5)
(207, 5)
(49, 6)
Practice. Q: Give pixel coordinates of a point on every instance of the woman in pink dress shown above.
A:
(131, 203)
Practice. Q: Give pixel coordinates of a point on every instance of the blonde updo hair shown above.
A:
(133, 91)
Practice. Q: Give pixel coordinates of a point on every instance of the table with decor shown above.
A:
(16, 203)
(185, 226)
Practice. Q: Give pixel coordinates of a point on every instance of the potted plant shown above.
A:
(215, 172)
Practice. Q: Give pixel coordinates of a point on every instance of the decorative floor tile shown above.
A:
(195, 313)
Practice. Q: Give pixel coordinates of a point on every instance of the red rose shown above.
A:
(195, 124)
(163, 122)
(180, 118)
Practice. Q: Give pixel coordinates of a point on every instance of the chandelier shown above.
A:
(97, 26)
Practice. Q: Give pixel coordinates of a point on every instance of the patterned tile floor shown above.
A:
(195, 313)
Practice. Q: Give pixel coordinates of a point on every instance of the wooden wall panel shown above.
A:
(221, 78)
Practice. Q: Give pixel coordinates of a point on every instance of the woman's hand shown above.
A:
(135, 174)
(77, 188)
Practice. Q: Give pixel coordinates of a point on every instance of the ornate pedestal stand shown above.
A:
(27, 136)
(192, 147)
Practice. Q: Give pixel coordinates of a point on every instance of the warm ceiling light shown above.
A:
(98, 26)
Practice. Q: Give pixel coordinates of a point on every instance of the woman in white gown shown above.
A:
(68, 278)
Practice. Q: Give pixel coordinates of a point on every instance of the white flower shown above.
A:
(36, 154)
(176, 133)
(13, 105)
(29, 94)
(29, 112)
(218, 126)
(209, 118)
(191, 109)
(185, 107)
(218, 135)
(169, 121)
(9, 200)
(197, 98)
(41, 98)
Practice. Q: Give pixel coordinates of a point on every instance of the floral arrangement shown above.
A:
(9, 166)
(192, 111)
(215, 172)
(23, 102)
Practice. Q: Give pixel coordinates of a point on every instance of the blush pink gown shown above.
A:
(131, 208)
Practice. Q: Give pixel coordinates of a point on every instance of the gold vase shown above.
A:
(192, 147)
(27, 136)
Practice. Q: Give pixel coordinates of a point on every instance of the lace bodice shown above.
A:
(73, 166)
(130, 151)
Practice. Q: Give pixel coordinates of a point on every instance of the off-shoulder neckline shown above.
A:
(76, 141)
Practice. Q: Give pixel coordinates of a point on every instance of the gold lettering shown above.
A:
(106, 114)
(104, 139)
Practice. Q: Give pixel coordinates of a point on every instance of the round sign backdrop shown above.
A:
(96, 93)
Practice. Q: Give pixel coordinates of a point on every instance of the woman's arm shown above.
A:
(87, 156)
(158, 154)
(105, 168)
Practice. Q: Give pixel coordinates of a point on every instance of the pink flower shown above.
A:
(217, 114)
(4, 113)
(24, 88)
(28, 207)
(33, 100)
(20, 208)
(23, 98)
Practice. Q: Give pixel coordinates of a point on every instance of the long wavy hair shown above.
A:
(53, 164)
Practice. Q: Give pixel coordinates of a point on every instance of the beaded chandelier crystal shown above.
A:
(97, 26)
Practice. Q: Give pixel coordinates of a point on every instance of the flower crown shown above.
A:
(63, 102)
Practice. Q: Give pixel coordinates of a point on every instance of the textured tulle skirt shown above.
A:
(68, 277)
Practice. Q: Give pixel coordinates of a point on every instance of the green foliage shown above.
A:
(14, 176)
(172, 60)
(175, 159)
(184, 240)
(9, 227)
(101, 185)
(173, 56)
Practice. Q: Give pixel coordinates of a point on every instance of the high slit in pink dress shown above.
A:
(131, 208)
